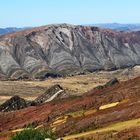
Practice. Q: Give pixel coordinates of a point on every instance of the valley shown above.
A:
(75, 85)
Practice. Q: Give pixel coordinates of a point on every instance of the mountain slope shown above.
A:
(57, 50)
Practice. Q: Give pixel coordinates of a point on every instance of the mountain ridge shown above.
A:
(63, 49)
(113, 26)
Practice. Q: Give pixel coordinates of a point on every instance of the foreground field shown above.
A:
(111, 111)
(98, 110)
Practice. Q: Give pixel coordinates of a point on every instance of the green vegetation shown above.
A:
(34, 134)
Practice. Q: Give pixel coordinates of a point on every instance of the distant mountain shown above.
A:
(9, 30)
(119, 27)
(113, 26)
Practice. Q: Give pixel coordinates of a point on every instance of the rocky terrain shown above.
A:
(55, 92)
(110, 112)
(16, 103)
(59, 50)
(72, 85)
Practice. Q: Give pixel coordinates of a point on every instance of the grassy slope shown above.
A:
(31, 89)
(62, 119)
(117, 127)
(114, 127)
(76, 85)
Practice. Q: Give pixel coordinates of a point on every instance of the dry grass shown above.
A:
(60, 120)
(31, 89)
(74, 85)
(89, 112)
(113, 104)
(76, 114)
(108, 105)
(114, 127)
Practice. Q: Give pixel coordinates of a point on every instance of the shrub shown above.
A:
(34, 134)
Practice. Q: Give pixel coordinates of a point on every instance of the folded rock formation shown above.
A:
(57, 50)
(15, 103)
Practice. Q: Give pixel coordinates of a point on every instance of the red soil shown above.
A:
(45, 113)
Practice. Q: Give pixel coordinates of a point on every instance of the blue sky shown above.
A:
(19, 13)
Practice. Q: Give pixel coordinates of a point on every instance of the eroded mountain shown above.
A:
(57, 50)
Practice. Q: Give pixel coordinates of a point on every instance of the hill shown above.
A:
(111, 112)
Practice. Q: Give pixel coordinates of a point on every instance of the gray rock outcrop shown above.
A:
(14, 103)
(50, 94)
(57, 50)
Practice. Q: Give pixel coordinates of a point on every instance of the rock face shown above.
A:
(50, 94)
(56, 50)
(15, 103)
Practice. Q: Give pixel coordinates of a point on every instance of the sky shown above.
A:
(23, 13)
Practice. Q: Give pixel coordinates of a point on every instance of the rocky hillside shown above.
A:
(115, 108)
(52, 93)
(57, 50)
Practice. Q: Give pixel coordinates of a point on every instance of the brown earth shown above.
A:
(126, 134)
(126, 94)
